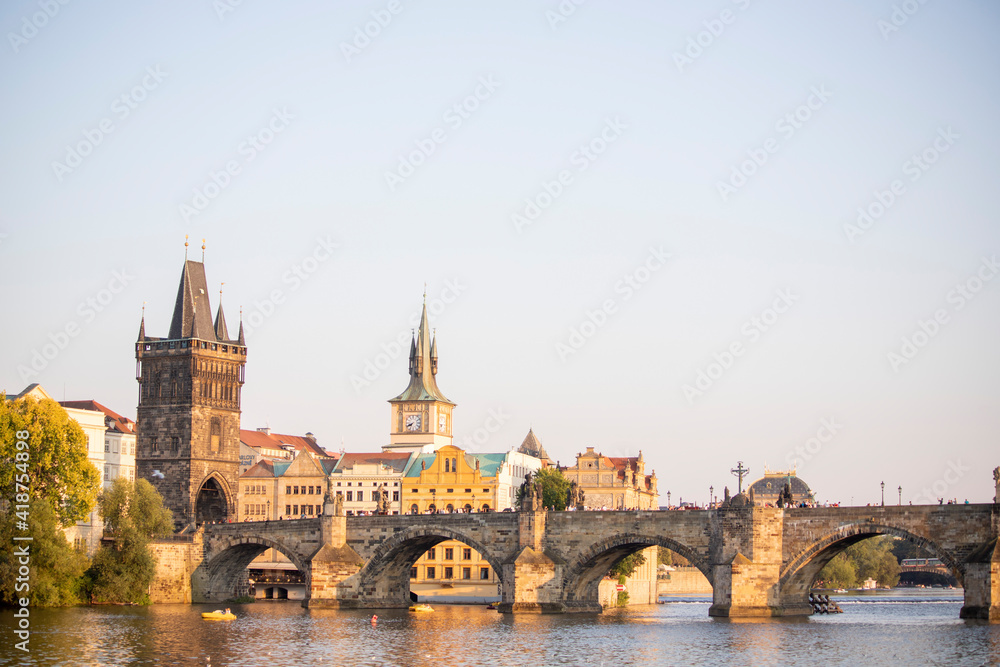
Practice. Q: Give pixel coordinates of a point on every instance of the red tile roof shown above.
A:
(113, 420)
(259, 439)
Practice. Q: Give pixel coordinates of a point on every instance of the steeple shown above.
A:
(142, 324)
(423, 366)
(192, 310)
(220, 321)
(241, 339)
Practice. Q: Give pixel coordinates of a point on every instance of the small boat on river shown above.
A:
(218, 615)
(421, 607)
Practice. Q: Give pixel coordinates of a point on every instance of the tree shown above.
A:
(839, 573)
(555, 486)
(869, 558)
(133, 514)
(56, 567)
(626, 566)
(54, 459)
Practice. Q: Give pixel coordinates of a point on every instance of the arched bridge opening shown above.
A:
(583, 576)
(225, 574)
(385, 580)
(799, 575)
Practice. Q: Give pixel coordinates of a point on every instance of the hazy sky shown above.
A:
(638, 222)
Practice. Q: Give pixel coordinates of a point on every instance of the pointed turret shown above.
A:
(142, 325)
(220, 324)
(434, 353)
(532, 446)
(192, 310)
(423, 366)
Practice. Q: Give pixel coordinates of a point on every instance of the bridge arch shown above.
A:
(214, 501)
(230, 557)
(583, 574)
(797, 576)
(386, 575)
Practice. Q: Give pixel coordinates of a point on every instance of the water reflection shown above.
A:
(871, 631)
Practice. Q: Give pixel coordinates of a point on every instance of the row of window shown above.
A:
(127, 448)
(449, 509)
(430, 572)
(107, 472)
(349, 496)
(449, 553)
(433, 491)
(373, 483)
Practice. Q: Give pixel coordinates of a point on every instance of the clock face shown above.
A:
(442, 422)
(413, 423)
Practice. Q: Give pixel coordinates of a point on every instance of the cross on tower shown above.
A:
(740, 472)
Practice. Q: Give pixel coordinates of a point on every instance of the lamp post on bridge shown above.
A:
(668, 500)
(900, 495)
(883, 494)
(711, 500)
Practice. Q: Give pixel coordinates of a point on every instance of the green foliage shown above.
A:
(626, 566)
(133, 514)
(871, 558)
(554, 488)
(243, 599)
(57, 468)
(56, 567)
(622, 595)
(667, 557)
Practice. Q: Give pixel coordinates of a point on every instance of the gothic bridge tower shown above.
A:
(188, 417)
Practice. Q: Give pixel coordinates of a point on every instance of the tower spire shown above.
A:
(220, 320)
(185, 247)
(203, 251)
(423, 364)
(241, 339)
(142, 323)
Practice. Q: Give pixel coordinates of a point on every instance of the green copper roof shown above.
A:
(423, 366)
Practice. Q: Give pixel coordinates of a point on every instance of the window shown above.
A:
(413, 573)
(447, 465)
(175, 444)
(295, 509)
(414, 509)
(451, 490)
(466, 554)
(395, 496)
(154, 444)
(430, 553)
(107, 446)
(468, 490)
(431, 573)
(295, 490)
(484, 573)
(449, 553)
(350, 495)
(107, 471)
(288, 510)
(308, 510)
(449, 573)
(467, 573)
(361, 496)
(486, 490)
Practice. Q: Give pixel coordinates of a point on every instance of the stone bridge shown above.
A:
(760, 561)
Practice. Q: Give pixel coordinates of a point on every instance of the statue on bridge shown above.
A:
(996, 479)
(574, 496)
(382, 503)
(338, 504)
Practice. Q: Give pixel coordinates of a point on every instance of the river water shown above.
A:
(890, 628)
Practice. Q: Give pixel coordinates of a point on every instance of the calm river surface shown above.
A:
(891, 628)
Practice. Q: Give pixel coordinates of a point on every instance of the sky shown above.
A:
(711, 231)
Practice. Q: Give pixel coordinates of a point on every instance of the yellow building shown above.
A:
(613, 483)
(451, 480)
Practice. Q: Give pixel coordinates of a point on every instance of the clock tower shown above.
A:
(421, 415)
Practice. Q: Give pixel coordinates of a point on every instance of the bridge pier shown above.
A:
(747, 545)
(333, 564)
(982, 584)
(533, 579)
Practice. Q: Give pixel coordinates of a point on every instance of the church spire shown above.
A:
(423, 365)
(241, 339)
(192, 310)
